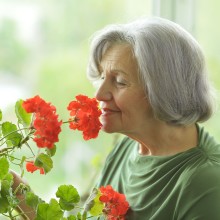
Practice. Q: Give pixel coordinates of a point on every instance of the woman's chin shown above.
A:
(108, 129)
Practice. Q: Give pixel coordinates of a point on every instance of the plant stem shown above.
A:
(74, 119)
(78, 207)
(98, 217)
(2, 151)
(66, 122)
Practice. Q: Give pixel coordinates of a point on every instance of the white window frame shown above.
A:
(182, 12)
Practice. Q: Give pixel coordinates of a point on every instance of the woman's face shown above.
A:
(125, 108)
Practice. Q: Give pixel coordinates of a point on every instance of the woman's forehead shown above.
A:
(118, 57)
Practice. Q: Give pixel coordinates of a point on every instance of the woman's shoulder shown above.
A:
(208, 173)
(207, 140)
(209, 147)
(202, 176)
(204, 168)
(200, 193)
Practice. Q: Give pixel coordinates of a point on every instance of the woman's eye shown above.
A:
(121, 82)
(102, 77)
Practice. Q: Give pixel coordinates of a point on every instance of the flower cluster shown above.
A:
(32, 168)
(46, 124)
(116, 205)
(85, 114)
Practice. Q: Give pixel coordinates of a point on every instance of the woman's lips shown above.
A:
(108, 111)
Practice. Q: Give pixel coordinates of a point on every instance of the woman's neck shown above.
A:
(165, 140)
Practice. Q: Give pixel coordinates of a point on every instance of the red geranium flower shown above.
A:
(32, 168)
(115, 203)
(85, 114)
(45, 121)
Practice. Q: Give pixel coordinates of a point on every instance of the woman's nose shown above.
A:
(103, 92)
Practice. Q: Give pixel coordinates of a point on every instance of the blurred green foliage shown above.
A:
(13, 52)
(208, 35)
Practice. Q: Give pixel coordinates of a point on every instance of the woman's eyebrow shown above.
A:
(114, 70)
(119, 71)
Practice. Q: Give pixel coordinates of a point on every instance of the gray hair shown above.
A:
(171, 67)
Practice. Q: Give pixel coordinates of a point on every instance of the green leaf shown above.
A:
(66, 205)
(6, 197)
(1, 142)
(32, 200)
(24, 118)
(51, 152)
(51, 211)
(79, 216)
(68, 195)
(13, 201)
(0, 114)
(84, 216)
(4, 205)
(13, 137)
(43, 160)
(4, 167)
(98, 206)
(22, 160)
(71, 217)
(6, 184)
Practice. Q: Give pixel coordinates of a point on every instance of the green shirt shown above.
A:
(184, 186)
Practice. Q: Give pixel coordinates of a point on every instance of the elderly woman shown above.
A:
(153, 88)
